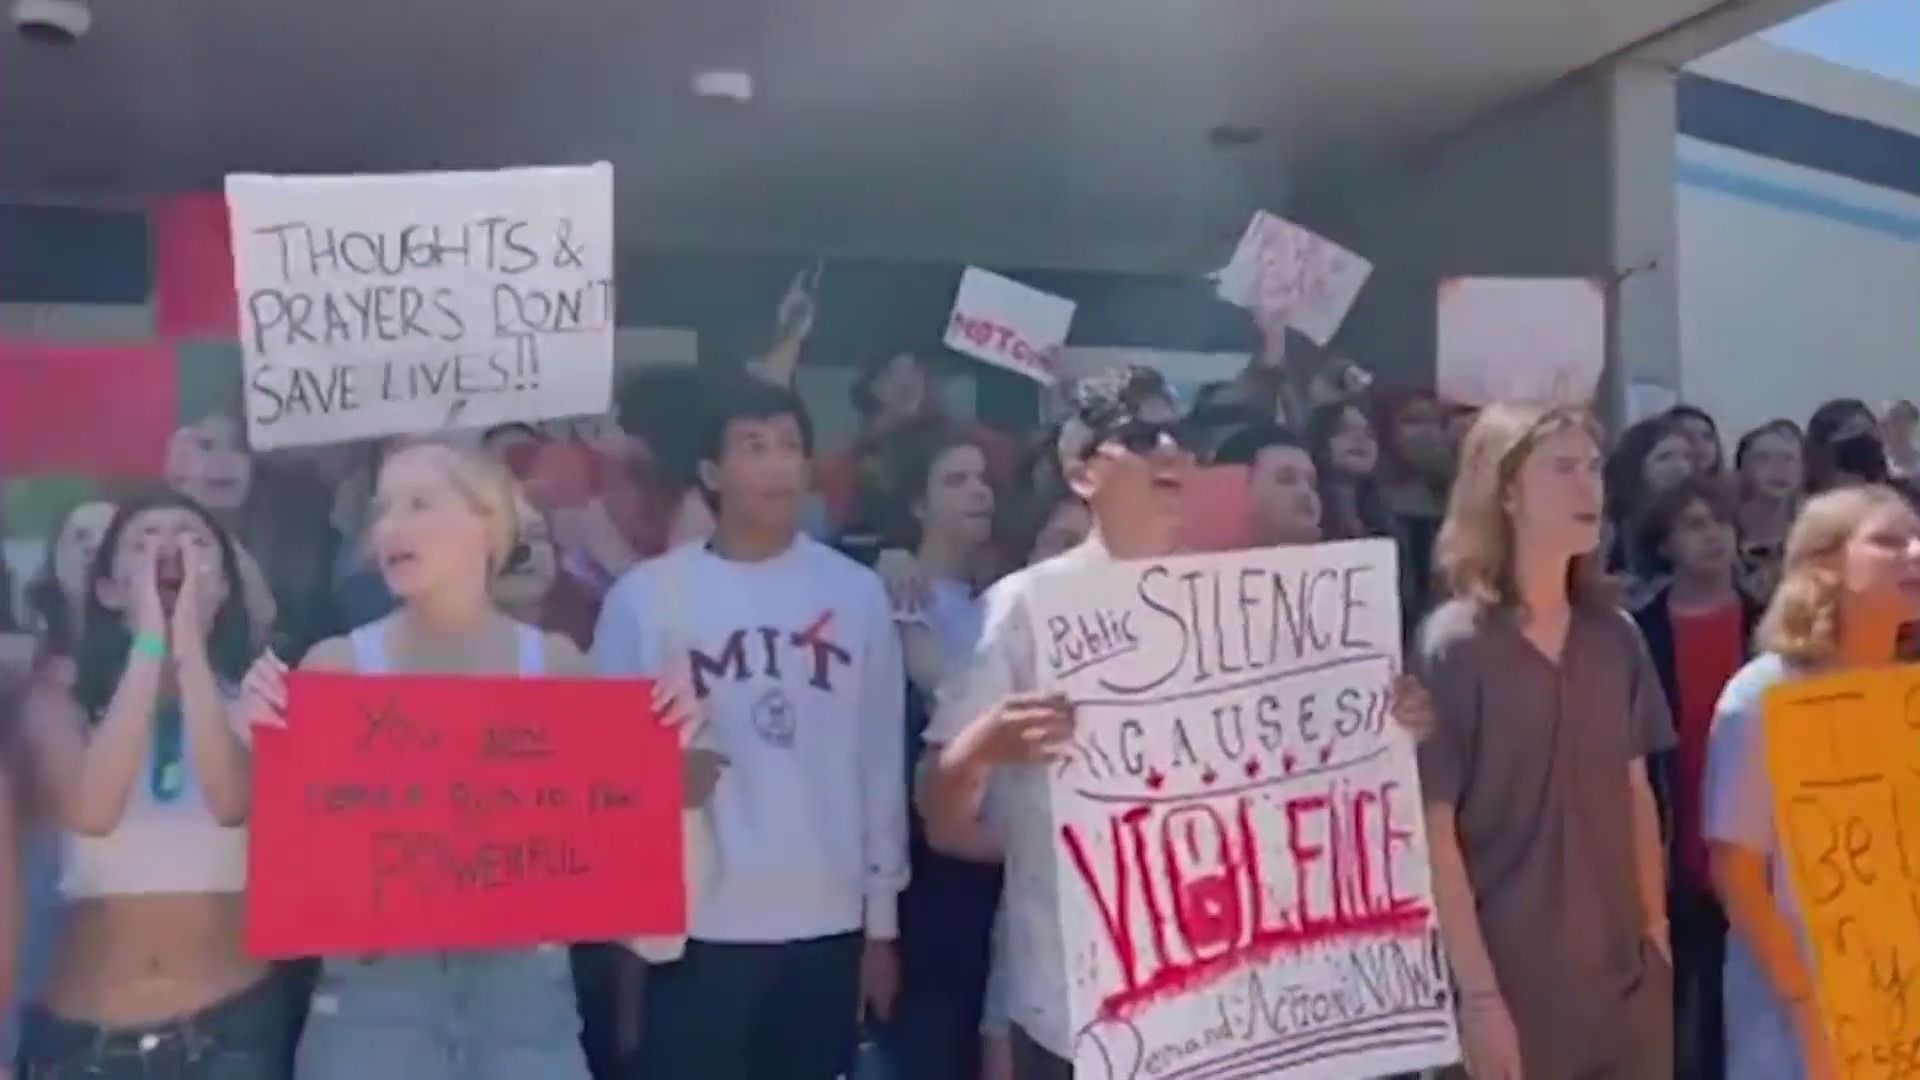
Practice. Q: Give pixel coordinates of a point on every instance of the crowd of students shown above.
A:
(843, 639)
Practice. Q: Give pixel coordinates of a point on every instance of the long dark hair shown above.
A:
(908, 455)
(54, 618)
(105, 639)
(1694, 412)
(1822, 464)
(1626, 467)
(1371, 511)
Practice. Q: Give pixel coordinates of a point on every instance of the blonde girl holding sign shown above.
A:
(1850, 582)
(443, 530)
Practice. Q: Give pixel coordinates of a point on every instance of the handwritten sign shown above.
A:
(415, 303)
(1006, 324)
(1843, 754)
(406, 812)
(1537, 341)
(1237, 838)
(1293, 276)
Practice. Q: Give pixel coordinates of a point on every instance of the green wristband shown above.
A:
(151, 646)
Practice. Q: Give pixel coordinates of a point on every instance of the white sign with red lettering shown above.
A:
(1534, 341)
(1291, 275)
(1235, 836)
(1008, 324)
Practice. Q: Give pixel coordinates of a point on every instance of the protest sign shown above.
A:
(1236, 838)
(1008, 325)
(1844, 759)
(416, 303)
(412, 812)
(1292, 276)
(1537, 341)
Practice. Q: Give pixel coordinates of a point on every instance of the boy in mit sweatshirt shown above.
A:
(793, 649)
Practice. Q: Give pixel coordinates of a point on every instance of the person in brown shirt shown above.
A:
(1542, 826)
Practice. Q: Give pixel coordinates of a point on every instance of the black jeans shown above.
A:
(754, 1012)
(1699, 933)
(607, 980)
(1031, 1061)
(241, 1038)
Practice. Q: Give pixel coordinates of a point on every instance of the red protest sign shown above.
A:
(400, 813)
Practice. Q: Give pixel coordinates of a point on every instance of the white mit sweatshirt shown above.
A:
(798, 662)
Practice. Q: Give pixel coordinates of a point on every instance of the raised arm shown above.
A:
(88, 770)
(216, 746)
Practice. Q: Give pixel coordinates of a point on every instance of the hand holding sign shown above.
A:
(263, 693)
(1289, 276)
(1020, 729)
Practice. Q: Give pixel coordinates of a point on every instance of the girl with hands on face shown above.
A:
(151, 786)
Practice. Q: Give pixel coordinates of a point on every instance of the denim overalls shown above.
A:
(470, 1015)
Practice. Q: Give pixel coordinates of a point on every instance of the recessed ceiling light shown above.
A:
(724, 84)
(59, 22)
(1226, 136)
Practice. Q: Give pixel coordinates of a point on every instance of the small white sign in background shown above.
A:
(413, 303)
(1009, 325)
(1292, 275)
(1536, 341)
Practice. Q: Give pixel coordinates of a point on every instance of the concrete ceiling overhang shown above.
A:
(1104, 134)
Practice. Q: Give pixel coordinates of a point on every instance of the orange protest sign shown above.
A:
(1843, 754)
(407, 813)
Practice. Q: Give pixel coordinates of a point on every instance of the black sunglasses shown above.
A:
(1139, 437)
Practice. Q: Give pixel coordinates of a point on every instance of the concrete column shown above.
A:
(1577, 182)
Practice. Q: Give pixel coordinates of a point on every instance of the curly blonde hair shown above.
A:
(1474, 554)
(1802, 623)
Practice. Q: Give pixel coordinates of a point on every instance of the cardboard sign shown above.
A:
(1008, 325)
(407, 304)
(402, 813)
(1236, 839)
(1293, 276)
(1536, 341)
(1845, 768)
(96, 410)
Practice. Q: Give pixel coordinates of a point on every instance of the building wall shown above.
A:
(1798, 188)
(92, 277)
(1572, 184)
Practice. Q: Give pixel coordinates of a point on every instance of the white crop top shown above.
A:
(172, 846)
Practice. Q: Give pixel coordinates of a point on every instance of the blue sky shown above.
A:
(1881, 36)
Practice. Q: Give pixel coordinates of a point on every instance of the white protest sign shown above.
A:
(1536, 341)
(1292, 275)
(1008, 324)
(413, 303)
(1237, 840)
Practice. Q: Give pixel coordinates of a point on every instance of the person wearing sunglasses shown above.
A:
(1132, 473)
